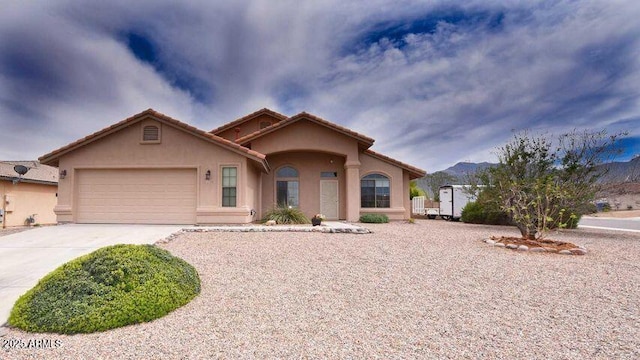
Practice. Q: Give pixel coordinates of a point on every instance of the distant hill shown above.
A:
(462, 169)
(617, 172)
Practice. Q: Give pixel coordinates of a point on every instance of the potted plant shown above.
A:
(317, 219)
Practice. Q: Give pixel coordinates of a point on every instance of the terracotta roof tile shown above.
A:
(52, 157)
(416, 172)
(246, 118)
(304, 115)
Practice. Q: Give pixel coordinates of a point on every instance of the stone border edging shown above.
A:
(328, 230)
(580, 250)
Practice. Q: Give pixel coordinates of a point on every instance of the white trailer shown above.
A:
(453, 198)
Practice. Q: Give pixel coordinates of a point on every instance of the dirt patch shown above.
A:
(9, 231)
(543, 243)
(618, 214)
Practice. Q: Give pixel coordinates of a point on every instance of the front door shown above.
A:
(329, 199)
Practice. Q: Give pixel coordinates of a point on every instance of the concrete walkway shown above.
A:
(27, 256)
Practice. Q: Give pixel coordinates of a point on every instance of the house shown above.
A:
(30, 195)
(151, 168)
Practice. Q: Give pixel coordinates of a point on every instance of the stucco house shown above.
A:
(151, 168)
(23, 196)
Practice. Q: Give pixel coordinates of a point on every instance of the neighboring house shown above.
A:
(30, 195)
(151, 168)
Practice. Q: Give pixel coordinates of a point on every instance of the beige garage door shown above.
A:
(136, 196)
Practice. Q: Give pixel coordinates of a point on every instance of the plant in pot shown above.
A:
(317, 219)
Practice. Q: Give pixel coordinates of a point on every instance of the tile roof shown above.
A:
(414, 172)
(37, 172)
(365, 140)
(263, 111)
(52, 157)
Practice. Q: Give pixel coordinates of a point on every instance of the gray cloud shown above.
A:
(433, 82)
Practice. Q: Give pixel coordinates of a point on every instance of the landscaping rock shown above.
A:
(523, 248)
(499, 245)
(565, 252)
(552, 250)
(512, 246)
(270, 223)
(490, 242)
(578, 251)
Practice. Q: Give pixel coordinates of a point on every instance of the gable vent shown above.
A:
(150, 133)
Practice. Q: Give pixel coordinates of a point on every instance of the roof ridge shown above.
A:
(248, 117)
(412, 168)
(311, 117)
(159, 116)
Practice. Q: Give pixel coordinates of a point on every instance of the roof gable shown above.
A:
(264, 111)
(53, 157)
(363, 140)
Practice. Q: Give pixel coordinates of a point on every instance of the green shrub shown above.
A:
(108, 288)
(286, 215)
(476, 212)
(374, 218)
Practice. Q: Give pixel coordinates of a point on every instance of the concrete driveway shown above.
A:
(27, 256)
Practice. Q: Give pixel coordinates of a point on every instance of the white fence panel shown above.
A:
(417, 205)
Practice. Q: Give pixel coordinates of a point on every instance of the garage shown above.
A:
(136, 196)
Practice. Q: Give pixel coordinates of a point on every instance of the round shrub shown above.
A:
(476, 212)
(374, 218)
(108, 288)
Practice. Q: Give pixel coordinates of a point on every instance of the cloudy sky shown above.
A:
(434, 82)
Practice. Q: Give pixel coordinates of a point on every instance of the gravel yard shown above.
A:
(427, 290)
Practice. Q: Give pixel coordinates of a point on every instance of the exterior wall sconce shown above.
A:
(63, 174)
(207, 175)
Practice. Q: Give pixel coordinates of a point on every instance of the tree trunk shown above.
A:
(529, 234)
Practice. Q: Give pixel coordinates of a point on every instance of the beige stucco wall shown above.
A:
(27, 199)
(308, 147)
(254, 190)
(248, 127)
(177, 149)
(399, 182)
(305, 135)
(309, 166)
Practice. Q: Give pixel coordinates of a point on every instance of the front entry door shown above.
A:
(329, 199)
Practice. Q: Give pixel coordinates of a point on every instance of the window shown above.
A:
(229, 181)
(287, 187)
(151, 133)
(374, 191)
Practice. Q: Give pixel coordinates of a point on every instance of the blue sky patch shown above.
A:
(142, 47)
(396, 30)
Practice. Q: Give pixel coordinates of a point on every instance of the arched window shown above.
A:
(375, 191)
(287, 187)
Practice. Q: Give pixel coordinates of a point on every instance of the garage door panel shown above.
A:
(149, 196)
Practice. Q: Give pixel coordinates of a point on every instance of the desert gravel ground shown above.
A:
(425, 290)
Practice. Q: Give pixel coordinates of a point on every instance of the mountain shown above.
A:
(619, 172)
(616, 173)
(462, 169)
